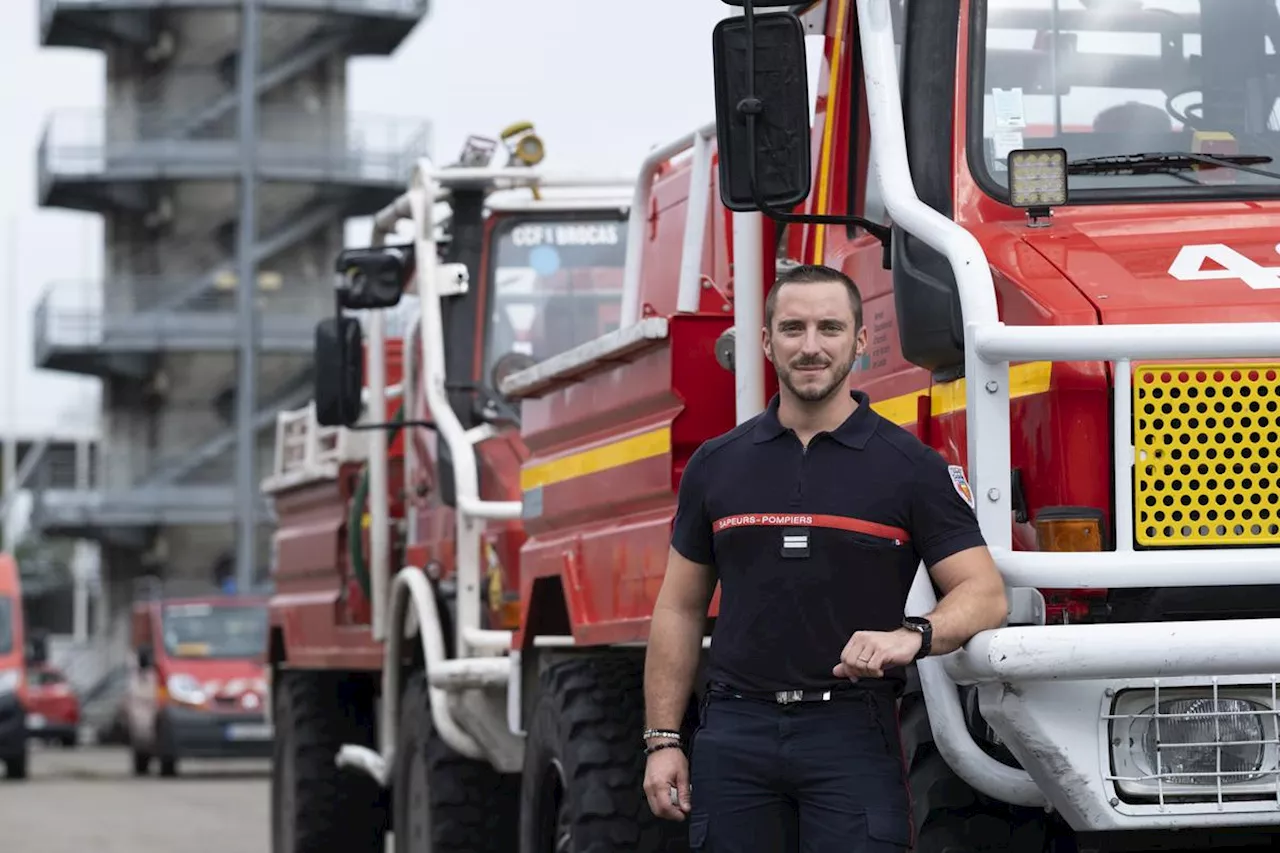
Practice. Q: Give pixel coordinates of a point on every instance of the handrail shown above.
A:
(639, 215)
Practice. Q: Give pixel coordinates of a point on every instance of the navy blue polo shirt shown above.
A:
(812, 544)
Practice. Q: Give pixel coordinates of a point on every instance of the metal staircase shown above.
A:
(162, 164)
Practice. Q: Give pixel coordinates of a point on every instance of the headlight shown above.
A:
(185, 689)
(9, 680)
(1184, 743)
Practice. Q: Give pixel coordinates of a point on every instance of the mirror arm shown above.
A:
(393, 425)
(750, 108)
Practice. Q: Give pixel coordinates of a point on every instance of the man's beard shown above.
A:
(840, 375)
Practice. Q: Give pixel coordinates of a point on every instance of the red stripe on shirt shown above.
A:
(834, 522)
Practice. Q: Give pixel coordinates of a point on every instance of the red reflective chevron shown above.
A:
(834, 522)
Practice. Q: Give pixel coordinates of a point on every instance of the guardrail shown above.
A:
(137, 143)
(73, 315)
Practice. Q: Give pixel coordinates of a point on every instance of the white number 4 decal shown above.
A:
(1226, 263)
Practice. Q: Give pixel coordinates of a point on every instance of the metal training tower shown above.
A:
(164, 165)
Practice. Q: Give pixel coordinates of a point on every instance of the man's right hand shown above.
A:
(667, 769)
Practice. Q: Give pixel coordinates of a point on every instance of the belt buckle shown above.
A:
(788, 697)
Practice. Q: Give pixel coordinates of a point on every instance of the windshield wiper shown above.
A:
(1166, 162)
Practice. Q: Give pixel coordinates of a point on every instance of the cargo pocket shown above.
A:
(698, 825)
(888, 831)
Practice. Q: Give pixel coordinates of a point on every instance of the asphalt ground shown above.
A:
(86, 800)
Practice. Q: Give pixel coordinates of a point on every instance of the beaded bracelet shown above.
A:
(667, 733)
(650, 750)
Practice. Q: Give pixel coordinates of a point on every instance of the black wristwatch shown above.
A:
(924, 628)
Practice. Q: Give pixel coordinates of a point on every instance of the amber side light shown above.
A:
(509, 615)
(1069, 528)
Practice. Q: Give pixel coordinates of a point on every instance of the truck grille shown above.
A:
(1206, 454)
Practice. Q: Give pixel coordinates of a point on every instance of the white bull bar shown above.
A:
(1020, 668)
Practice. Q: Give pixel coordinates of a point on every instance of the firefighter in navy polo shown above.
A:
(813, 517)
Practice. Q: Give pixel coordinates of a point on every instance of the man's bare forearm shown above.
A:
(675, 644)
(973, 606)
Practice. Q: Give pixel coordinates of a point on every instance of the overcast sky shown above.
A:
(604, 82)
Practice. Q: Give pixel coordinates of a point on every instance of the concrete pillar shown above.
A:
(84, 481)
(84, 572)
(9, 471)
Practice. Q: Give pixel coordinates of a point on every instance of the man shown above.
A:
(813, 517)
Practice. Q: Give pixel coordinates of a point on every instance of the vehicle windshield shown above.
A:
(1131, 76)
(6, 625)
(214, 631)
(557, 283)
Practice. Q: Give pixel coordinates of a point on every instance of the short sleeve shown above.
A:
(943, 521)
(691, 530)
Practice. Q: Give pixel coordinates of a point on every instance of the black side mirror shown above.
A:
(762, 110)
(145, 659)
(339, 372)
(762, 118)
(373, 278)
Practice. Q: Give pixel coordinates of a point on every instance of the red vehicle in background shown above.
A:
(13, 700)
(197, 688)
(52, 706)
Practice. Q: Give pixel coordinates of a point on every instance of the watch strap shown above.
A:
(924, 628)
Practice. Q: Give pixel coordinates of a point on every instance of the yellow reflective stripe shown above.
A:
(948, 397)
(612, 455)
(1025, 379)
(828, 126)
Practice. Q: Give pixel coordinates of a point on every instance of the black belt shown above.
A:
(785, 697)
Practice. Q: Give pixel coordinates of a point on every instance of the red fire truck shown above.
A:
(474, 520)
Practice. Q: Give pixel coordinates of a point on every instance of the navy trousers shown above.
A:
(806, 777)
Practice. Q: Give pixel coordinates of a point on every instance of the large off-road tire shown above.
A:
(583, 778)
(949, 815)
(316, 806)
(444, 801)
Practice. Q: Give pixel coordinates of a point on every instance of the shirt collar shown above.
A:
(854, 432)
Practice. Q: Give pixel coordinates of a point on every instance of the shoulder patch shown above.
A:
(961, 485)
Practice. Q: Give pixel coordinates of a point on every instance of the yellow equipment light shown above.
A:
(530, 151)
(1038, 177)
(527, 147)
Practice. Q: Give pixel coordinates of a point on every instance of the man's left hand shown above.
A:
(869, 653)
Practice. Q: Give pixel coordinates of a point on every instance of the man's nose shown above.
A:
(812, 344)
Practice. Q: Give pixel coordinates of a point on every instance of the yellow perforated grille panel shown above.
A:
(1207, 454)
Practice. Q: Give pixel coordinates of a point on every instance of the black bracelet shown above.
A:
(650, 750)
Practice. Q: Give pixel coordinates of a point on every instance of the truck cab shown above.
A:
(197, 685)
(13, 686)
(1062, 215)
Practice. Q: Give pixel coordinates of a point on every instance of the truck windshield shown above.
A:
(214, 631)
(1130, 77)
(6, 624)
(557, 283)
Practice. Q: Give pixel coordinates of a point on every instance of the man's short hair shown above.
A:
(814, 274)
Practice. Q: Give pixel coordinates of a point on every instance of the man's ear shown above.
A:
(860, 345)
(765, 344)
